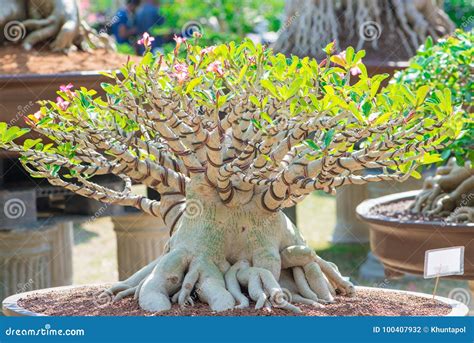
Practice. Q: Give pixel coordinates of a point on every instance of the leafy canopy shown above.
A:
(279, 89)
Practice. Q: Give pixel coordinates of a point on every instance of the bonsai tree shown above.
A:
(448, 65)
(387, 29)
(230, 135)
(36, 21)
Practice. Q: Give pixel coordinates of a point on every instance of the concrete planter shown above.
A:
(35, 259)
(141, 238)
(11, 308)
(401, 246)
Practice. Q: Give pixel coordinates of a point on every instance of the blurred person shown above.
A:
(148, 16)
(123, 27)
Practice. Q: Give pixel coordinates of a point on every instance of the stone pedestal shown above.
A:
(140, 239)
(35, 258)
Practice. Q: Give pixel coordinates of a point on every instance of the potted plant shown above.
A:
(230, 135)
(441, 214)
(390, 31)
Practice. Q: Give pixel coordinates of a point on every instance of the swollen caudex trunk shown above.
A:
(223, 252)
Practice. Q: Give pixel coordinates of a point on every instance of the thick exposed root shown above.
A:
(176, 278)
(450, 193)
(231, 257)
(54, 21)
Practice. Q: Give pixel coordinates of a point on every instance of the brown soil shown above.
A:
(15, 60)
(84, 301)
(401, 210)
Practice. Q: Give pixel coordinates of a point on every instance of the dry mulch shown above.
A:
(401, 210)
(15, 60)
(83, 301)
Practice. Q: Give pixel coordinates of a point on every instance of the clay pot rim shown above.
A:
(55, 76)
(11, 308)
(363, 212)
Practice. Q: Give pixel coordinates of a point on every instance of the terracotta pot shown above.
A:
(401, 245)
(11, 308)
(19, 93)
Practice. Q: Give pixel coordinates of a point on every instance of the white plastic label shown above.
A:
(444, 262)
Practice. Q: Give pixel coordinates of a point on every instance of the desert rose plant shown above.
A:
(230, 135)
(448, 65)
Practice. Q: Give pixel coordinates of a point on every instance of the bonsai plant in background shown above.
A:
(388, 30)
(441, 214)
(229, 135)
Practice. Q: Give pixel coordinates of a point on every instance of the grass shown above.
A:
(95, 251)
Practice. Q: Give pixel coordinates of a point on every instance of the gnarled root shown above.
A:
(175, 277)
(57, 21)
(228, 257)
(450, 193)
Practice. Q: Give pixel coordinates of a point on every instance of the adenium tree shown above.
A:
(58, 21)
(448, 64)
(230, 135)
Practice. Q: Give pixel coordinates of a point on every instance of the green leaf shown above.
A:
(421, 94)
(254, 100)
(29, 143)
(192, 84)
(266, 117)
(310, 143)
(328, 137)
(267, 84)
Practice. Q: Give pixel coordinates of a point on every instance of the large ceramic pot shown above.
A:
(401, 245)
(11, 307)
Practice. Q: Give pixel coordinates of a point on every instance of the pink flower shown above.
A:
(38, 115)
(66, 88)
(33, 119)
(181, 77)
(215, 67)
(181, 72)
(208, 50)
(180, 68)
(146, 40)
(355, 71)
(63, 104)
(179, 41)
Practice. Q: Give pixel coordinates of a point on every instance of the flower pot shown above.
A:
(401, 245)
(11, 305)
